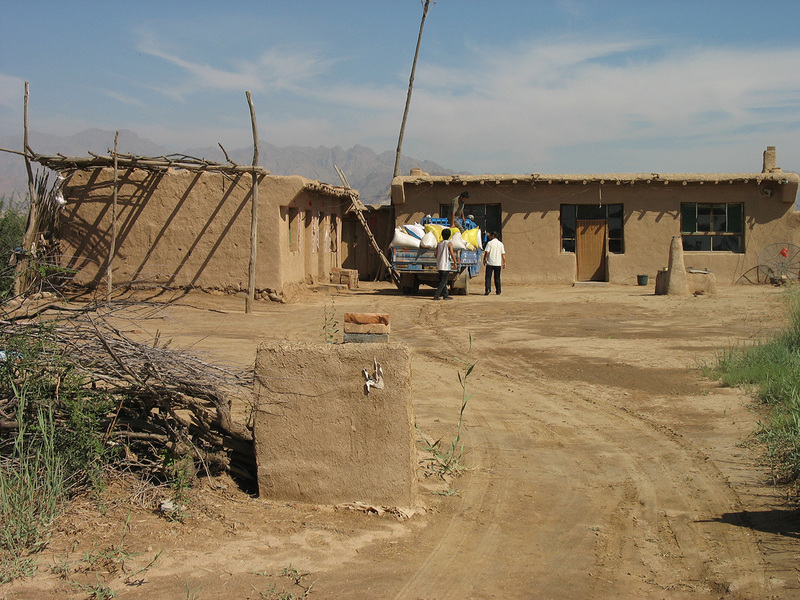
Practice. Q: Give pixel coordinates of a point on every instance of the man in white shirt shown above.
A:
(494, 260)
(446, 261)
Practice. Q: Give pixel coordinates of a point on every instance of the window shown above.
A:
(334, 232)
(613, 214)
(312, 226)
(486, 216)
(293, 218)
(712, 227)
(324, 233)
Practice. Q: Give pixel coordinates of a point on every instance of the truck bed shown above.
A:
(405, 260)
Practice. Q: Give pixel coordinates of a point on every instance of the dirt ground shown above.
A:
(601, 463)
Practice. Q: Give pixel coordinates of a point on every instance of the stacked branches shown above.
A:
(161, 404)
(60, 162)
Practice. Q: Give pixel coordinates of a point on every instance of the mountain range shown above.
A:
(366, 171)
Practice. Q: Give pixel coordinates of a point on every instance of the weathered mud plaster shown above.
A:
(179, 229)
(320, 438)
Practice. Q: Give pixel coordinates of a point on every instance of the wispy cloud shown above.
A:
(524, 103)
(509, 108)
(272, 71)
(498, 108)
(123, 98)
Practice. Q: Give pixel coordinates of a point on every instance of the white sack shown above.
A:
(403, 240)
(428, 241)
(415, 229)
(457, 242)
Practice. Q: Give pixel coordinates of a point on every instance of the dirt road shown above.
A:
(602, 465)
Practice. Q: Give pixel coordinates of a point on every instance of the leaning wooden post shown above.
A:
(410, 88)
(29, 239)
(251, 283)
(113, 244)
(391, 223)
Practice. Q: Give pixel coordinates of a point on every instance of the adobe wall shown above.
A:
(531, 229)
(319, 438)
(183, 229)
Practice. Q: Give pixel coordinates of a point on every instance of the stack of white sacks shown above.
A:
(428, 236)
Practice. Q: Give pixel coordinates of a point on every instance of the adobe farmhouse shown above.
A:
(184, 229)
(562, 229)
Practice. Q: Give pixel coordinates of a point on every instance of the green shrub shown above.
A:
(52, 383)
(781, 435)
(57, 447)
(12, 227)
(772, 367)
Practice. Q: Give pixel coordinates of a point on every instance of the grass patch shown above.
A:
(32, 484)
(52, 447)
(772, 368)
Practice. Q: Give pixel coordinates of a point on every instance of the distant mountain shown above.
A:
(366, 171)
(13, 178)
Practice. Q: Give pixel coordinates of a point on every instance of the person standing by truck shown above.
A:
(457, 210)
(494, 260)
(445, 259)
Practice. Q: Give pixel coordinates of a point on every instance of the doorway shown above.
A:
(591, 249)
(592, 232)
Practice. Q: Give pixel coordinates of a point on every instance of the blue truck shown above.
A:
(415, 267)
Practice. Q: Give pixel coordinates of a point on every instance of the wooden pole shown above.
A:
(410, 87)
(29, 239)
(251, 282)
(390, 225)
(113, 244)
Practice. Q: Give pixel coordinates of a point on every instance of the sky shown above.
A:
(501, 86)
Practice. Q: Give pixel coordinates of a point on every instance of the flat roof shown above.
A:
(780, 177)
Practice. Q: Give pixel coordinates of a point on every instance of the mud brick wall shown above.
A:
(320, 438)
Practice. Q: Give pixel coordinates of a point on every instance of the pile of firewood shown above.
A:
(167, 402)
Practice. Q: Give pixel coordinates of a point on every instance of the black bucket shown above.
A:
(642, 279)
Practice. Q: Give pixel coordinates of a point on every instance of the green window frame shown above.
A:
(712, 226)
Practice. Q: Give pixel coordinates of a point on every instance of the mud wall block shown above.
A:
(366, 327)
(323, 436)
(347, 277)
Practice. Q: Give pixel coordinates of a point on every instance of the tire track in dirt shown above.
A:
(637, 506)
(678, 499)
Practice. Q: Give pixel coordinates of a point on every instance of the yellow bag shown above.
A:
(473, 237)
(435, 229)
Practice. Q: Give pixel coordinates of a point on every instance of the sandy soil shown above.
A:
(602, 464)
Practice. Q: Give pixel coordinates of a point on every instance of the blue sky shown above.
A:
(564, 86)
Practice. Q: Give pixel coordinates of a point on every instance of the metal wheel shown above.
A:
(779, 261)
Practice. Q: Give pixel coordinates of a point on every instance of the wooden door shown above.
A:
(350, 243)
(591, 249)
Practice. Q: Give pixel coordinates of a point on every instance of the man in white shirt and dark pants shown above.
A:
(494, 260)
(446, 261)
